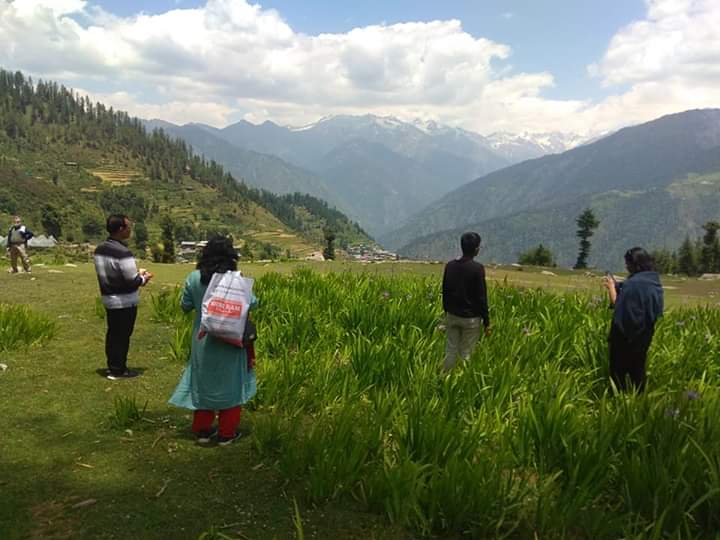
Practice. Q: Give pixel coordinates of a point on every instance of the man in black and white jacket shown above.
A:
(120, 282)
(17, 240)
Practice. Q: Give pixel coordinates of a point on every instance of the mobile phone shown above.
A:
(609, 274)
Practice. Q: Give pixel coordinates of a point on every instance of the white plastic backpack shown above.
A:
(225, 307)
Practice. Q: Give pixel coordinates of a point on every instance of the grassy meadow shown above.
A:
(354, 432)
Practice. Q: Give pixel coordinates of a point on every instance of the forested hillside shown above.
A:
(65, 162)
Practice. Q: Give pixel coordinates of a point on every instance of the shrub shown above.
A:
(539, 256)
(22, 327)
(126, 412)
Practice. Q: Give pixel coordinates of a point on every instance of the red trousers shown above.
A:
(228, 422)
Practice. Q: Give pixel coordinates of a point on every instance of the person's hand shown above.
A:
(488, 331)
(608, 282)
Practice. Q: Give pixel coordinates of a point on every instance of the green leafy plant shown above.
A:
(22, 327)
(99, 308)
(126, 412)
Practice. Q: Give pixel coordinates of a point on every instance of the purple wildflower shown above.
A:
(692, 395)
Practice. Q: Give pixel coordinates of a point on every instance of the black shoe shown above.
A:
(204, 437)
(224, 441)
(127, 374)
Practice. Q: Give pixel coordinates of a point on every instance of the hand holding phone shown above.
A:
(609, 280)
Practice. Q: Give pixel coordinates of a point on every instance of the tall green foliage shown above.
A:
(22, 327)
(51, 221)
(124, 201)
(329, 251)
(168, 240)
(141, 236)
(587, 223)
(710, 253)
(539, 256)
(524, 440)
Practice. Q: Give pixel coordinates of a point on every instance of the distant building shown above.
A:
(188, 250)
(365, 252)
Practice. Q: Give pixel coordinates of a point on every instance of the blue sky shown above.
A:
(584, 66)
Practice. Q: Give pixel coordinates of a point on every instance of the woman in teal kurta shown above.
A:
(217, 377)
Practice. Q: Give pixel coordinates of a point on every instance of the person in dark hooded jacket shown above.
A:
(638, 303)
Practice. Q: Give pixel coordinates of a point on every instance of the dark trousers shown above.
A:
(628, 359)
(120, 325)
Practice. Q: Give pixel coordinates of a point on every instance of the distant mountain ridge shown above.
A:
(336, 158)
(260, 170)
(650, 184)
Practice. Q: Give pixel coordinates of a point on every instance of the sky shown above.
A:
(581, 66)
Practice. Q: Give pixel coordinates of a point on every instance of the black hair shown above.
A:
(639, 260)
(470, 242)
(115, 222)
(218, 255)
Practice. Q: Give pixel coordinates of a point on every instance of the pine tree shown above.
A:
(708, 260)
(50, 220)
(665, 261)
(141, 237)
(587, 223)
(687, 259)
(168, 240)
(329, 251)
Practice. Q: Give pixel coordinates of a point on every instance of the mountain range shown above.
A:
(649, 185)
(378, 170)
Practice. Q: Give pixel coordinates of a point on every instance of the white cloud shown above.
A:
(58, 7)
(250, 61)
(229, 59)
(177, 112)
(671, 60)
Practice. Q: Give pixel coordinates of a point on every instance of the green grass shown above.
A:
(22, 327)
(353, 422)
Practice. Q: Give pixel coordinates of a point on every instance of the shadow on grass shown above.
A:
(104, 372)
(150, 481)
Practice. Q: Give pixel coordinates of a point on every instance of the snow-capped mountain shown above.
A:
(520, 147)
(380, 169)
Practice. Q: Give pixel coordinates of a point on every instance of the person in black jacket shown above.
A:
(119, 281)
(638, 303)
(464, 301)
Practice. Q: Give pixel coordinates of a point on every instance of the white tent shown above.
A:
(41, 241)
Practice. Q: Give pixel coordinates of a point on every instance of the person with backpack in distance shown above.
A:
(120, 282)
(638, 303)
(464, 301)
(220, 375)
(17, 241)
